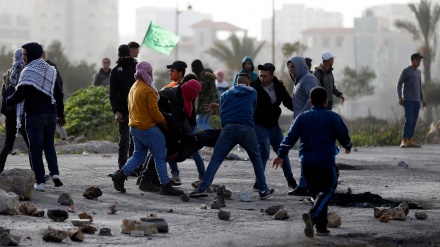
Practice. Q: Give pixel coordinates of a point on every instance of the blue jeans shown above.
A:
(231, 135)
(411, 115)
(40, 130)
(203, 121)
(272, 137)
(302, 183)
(197, 159)
(151, 140)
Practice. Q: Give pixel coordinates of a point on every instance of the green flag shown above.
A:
(160, 39)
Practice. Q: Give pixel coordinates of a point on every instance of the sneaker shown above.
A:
(198, 193)
(39, 187)
(292, 183)
(169, 190)
(299, 191)
(266, 194)
(175, 181)
(57, 181)
(46, 178)
(146, 185)
(322, 232)
(308, 230)
(255, 187)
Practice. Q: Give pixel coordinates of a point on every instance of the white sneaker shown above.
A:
(39, 187)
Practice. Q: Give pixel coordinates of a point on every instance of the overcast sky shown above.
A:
(246, 14)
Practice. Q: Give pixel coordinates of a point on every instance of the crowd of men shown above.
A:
(160, 126)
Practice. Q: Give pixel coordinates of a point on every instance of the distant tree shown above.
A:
(75, 76)
(5, 60)
(357, 83)
(232, 56)
(427, 16)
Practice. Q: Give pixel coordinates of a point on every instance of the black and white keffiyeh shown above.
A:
(41, 76)
(17, 66)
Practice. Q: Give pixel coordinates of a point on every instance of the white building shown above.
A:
(292, 19)
(87, 29)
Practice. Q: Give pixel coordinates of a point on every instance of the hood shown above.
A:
(247, 59)
(241, 89)
(320, 68)
(300, 67)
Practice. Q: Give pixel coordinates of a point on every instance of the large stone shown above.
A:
(85, 215)
(273, 209)
(7, 239)
(19, 181)
(224, 215)
(105, 232)
(281, 215)
(215, 205)
(421, 215)
(405, 207)
(137, 225)
(86, 228)
(53, 235)
(27, 209)
(397, 213)
(79, 222)
(161, 224)
(57, 214)
(334, 219)
(76, 235)
(92, 192)
(65, 199)
(8, 202)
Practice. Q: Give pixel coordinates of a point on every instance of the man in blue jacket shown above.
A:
(318, 129)
(237, 106)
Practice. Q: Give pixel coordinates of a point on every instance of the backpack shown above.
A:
(10, 90)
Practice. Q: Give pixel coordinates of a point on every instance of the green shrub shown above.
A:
(88, 112)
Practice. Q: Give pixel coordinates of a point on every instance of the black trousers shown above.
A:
(11, 130)
(125, 145)
(322, 184)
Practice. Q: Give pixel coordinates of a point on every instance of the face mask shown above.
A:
(124, 61)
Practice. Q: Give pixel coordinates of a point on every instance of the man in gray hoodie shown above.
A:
(304, 83)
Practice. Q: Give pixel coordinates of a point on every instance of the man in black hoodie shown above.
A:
(270, 94)
(121, 80)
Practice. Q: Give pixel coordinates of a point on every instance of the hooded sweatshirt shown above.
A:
(305, 82)
(242, 113)
(251, 73)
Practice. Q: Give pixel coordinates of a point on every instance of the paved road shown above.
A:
(375, 170)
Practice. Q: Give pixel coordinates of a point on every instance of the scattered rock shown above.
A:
(281, 215)
(334, 219)
(402, 164)
(88, 229)
(71, 209)
(85, 215)
(421, 215)
(105, 232)
(53, 235)
(92, 192)
(26, 208)
(111, 209)
(405, 207)
(203, 206)
(57, 214)
(221, 200)
(136, 225)
(349, 191)
(161, 224)
(76, 235)
(246, 196)
(433, 136)
(227, 194)
(273, 209)
(7, 239)
(232, 156)
(9, 202)
(65, 199)
(224, 215)
(184, 198)
(19, 181)
(397, 213)
(215, 205)
(38, 213)
(170, 210)
(79, 222)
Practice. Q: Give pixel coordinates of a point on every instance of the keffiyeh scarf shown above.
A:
(41, 76)
(17, 66)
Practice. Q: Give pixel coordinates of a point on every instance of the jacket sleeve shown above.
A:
(335, 90)
(5, 80)
(59, 96)
(308, 86)
(342, 134)
(318, 75)
(19, 95)
(400, 84)
(291, 138)
(114, 92)
(153, 108)
(285, 97)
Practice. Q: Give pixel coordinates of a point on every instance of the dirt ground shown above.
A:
(369, 169)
